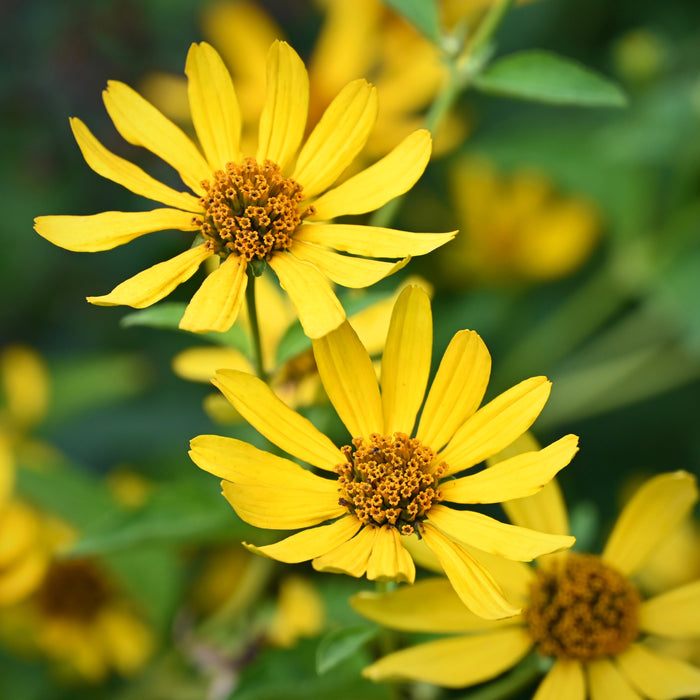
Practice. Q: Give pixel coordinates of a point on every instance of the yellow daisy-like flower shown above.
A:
(373, 493)
(271, 208)
(583, 611)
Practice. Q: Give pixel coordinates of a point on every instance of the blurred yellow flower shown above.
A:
(581, 610)
(515, 229)
(76, 616)
(270, 208)
(295, 380)
(299, 612)
(348, 526)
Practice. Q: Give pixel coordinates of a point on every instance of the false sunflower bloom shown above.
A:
(584, 612)
(272, 207)
(384, 485)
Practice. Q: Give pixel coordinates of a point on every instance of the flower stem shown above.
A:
(254, 327)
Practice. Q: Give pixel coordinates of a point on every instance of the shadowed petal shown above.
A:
(455, 662)
(651, 514)
(215, 305)
(406, 360)
(564, 680)
(351, 557)
(675, 614)
(109, 229)
(607, 683)
(389, 561)
(370, 189)
(311, 543)
(156, 282)
(294, 434)
(348, 376)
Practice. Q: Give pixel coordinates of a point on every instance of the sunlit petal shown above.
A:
(351, 557)
(564, 680)
(675, 614)
(389, 561)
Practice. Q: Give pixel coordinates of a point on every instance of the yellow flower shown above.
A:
(515, 228)
(295, 380)
(268, 208)
(583, 611)
(376, 491)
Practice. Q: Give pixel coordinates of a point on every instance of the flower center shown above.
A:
(389, 480)
(582, 609)
(74, 590)
(250, 210)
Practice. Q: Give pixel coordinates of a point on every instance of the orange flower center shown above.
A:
(581, 608)
(250, 210)
(73, 589)
(389, 480)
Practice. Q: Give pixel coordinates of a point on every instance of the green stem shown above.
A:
(254, 327)
(488, 26)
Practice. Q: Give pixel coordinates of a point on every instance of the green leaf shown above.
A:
(546, 77)
(341, 644)
(422, 14)
(167, 315)
(185, 511)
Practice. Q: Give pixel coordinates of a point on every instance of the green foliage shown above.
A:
(423, 14)
(341, 644)
(543, 76)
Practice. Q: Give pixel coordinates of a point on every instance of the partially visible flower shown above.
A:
(272, 208)
(299, 612)
(385, 485)
(77, 615)
(582, 611)
(294, 379)
(515, 228)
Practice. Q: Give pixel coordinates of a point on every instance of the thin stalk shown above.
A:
(254, 327)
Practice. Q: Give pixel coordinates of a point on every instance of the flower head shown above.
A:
(389, 481)
(585, 612)
(271, 208)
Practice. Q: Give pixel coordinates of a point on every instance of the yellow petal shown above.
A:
(472, 582)
(283, 507)
(389, 561)
(406, 360)
(489, 535)
(156, 282)
(7, 476)
(215, 305)
(349, 379)
(256, 402)
(351, 557)
(339, 136)
(200, 364)
(140, 123)
(517, 477)
(311, 543)
(24, 382)
(346, 270)
(215, 112)
(545, 511)
(607, 683)
(126, 174)
(431, 606)
(656, 676)
(241, 463)
(675, 614)
(22, 577)
(110, 228)
(457, 390)
(283, 119)
(496, 424)
(564, 680)
(372, 241)
(316, 304)
(652, 514)
(370, 189)
(456, 662)
(23, 524)
(127, 641)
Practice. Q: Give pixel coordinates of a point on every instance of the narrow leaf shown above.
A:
(341, 644)
(422, 14)
(546, 77)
